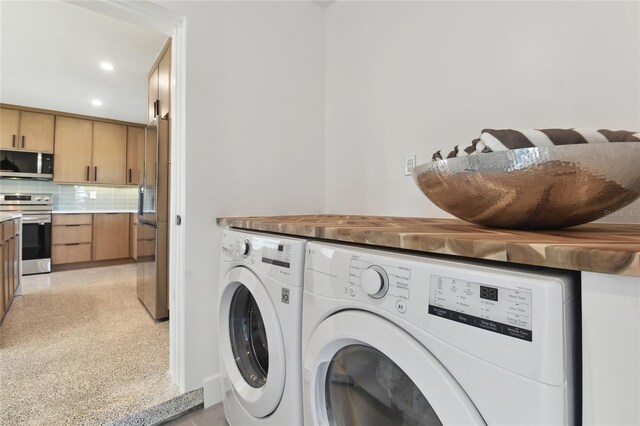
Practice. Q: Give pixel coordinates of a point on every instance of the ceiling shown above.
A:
(50, 56)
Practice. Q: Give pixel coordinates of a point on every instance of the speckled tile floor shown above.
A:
(78, 348)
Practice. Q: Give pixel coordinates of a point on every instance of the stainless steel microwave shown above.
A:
(23, 164)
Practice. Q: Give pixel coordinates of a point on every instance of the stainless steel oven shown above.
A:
(36, 229)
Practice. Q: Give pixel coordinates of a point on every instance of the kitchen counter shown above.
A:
(595, 247)
(4, 216)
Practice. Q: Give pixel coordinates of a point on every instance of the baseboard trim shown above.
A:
(212, 390)
(92, 264)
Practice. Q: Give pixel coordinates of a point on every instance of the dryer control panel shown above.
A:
(513, 317)
(498, 309)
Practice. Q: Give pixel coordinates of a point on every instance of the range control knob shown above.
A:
(375, 281)
(38, 199)
(245, 248)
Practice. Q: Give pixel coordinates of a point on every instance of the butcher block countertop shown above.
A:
(595, 247)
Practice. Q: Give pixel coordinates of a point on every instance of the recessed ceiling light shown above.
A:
(96, 102)
(106, 66)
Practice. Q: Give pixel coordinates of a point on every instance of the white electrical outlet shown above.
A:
(92, 194)
(409, 164)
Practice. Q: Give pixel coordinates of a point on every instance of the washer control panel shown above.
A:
(276, 253)
(279, 257)
(500, 310)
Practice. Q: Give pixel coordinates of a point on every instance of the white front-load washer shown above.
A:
(397, 339)
(260, 311)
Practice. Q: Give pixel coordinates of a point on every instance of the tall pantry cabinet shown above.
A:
(152, 249)
(160, 86)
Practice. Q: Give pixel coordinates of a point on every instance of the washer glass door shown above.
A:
(364, 386)
(248, 338)
(251, 342)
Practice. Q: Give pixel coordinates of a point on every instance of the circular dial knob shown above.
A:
(375, 282)
(245, 247)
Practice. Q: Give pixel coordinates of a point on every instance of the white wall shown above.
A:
(287, 101)
(255, 104)
(415, 77)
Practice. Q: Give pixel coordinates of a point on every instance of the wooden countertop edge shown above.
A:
(613, 258)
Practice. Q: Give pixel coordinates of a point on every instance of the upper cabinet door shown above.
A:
(36, 131)
(9, 123)
(135, 143)
(164, 84)
(153, 95)
(109, 153)
(72, 156)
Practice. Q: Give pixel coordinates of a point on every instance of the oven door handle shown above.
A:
(38, 220)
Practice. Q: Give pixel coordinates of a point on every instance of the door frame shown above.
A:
(158, 18)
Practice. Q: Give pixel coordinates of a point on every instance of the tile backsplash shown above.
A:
(77, 197)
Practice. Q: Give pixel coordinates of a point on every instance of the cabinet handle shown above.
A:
(74, 225)
(72, 244)
(23, 141)
(129, 175)
(95, 174)
(13, 141)
(155, 109)
(88, 178)
(158, 107)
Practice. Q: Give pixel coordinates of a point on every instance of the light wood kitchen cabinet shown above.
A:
(72, 219)
(111, 236)
(135, 147)
(9, 263)
(9, 128)
(27, 130)
(164, 84)
(71, 238)
(109, 153)
(133, 236)
(73, 150)
(159, 93)
(2, 280)
(6, 300)
(84, 237)
(71, 234)
(90, 151)
(153, 95)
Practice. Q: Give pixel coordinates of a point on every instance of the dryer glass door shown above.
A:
(364, 386)
(366, 370)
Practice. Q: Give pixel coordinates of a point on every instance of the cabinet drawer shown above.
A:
(72, 219)
(71, 234)
(70, 253)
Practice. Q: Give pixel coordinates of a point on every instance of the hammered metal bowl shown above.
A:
(535, 188)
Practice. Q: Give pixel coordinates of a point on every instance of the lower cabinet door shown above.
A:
(111, 236)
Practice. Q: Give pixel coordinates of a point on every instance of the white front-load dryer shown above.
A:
(260, 311)
(397, 339)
